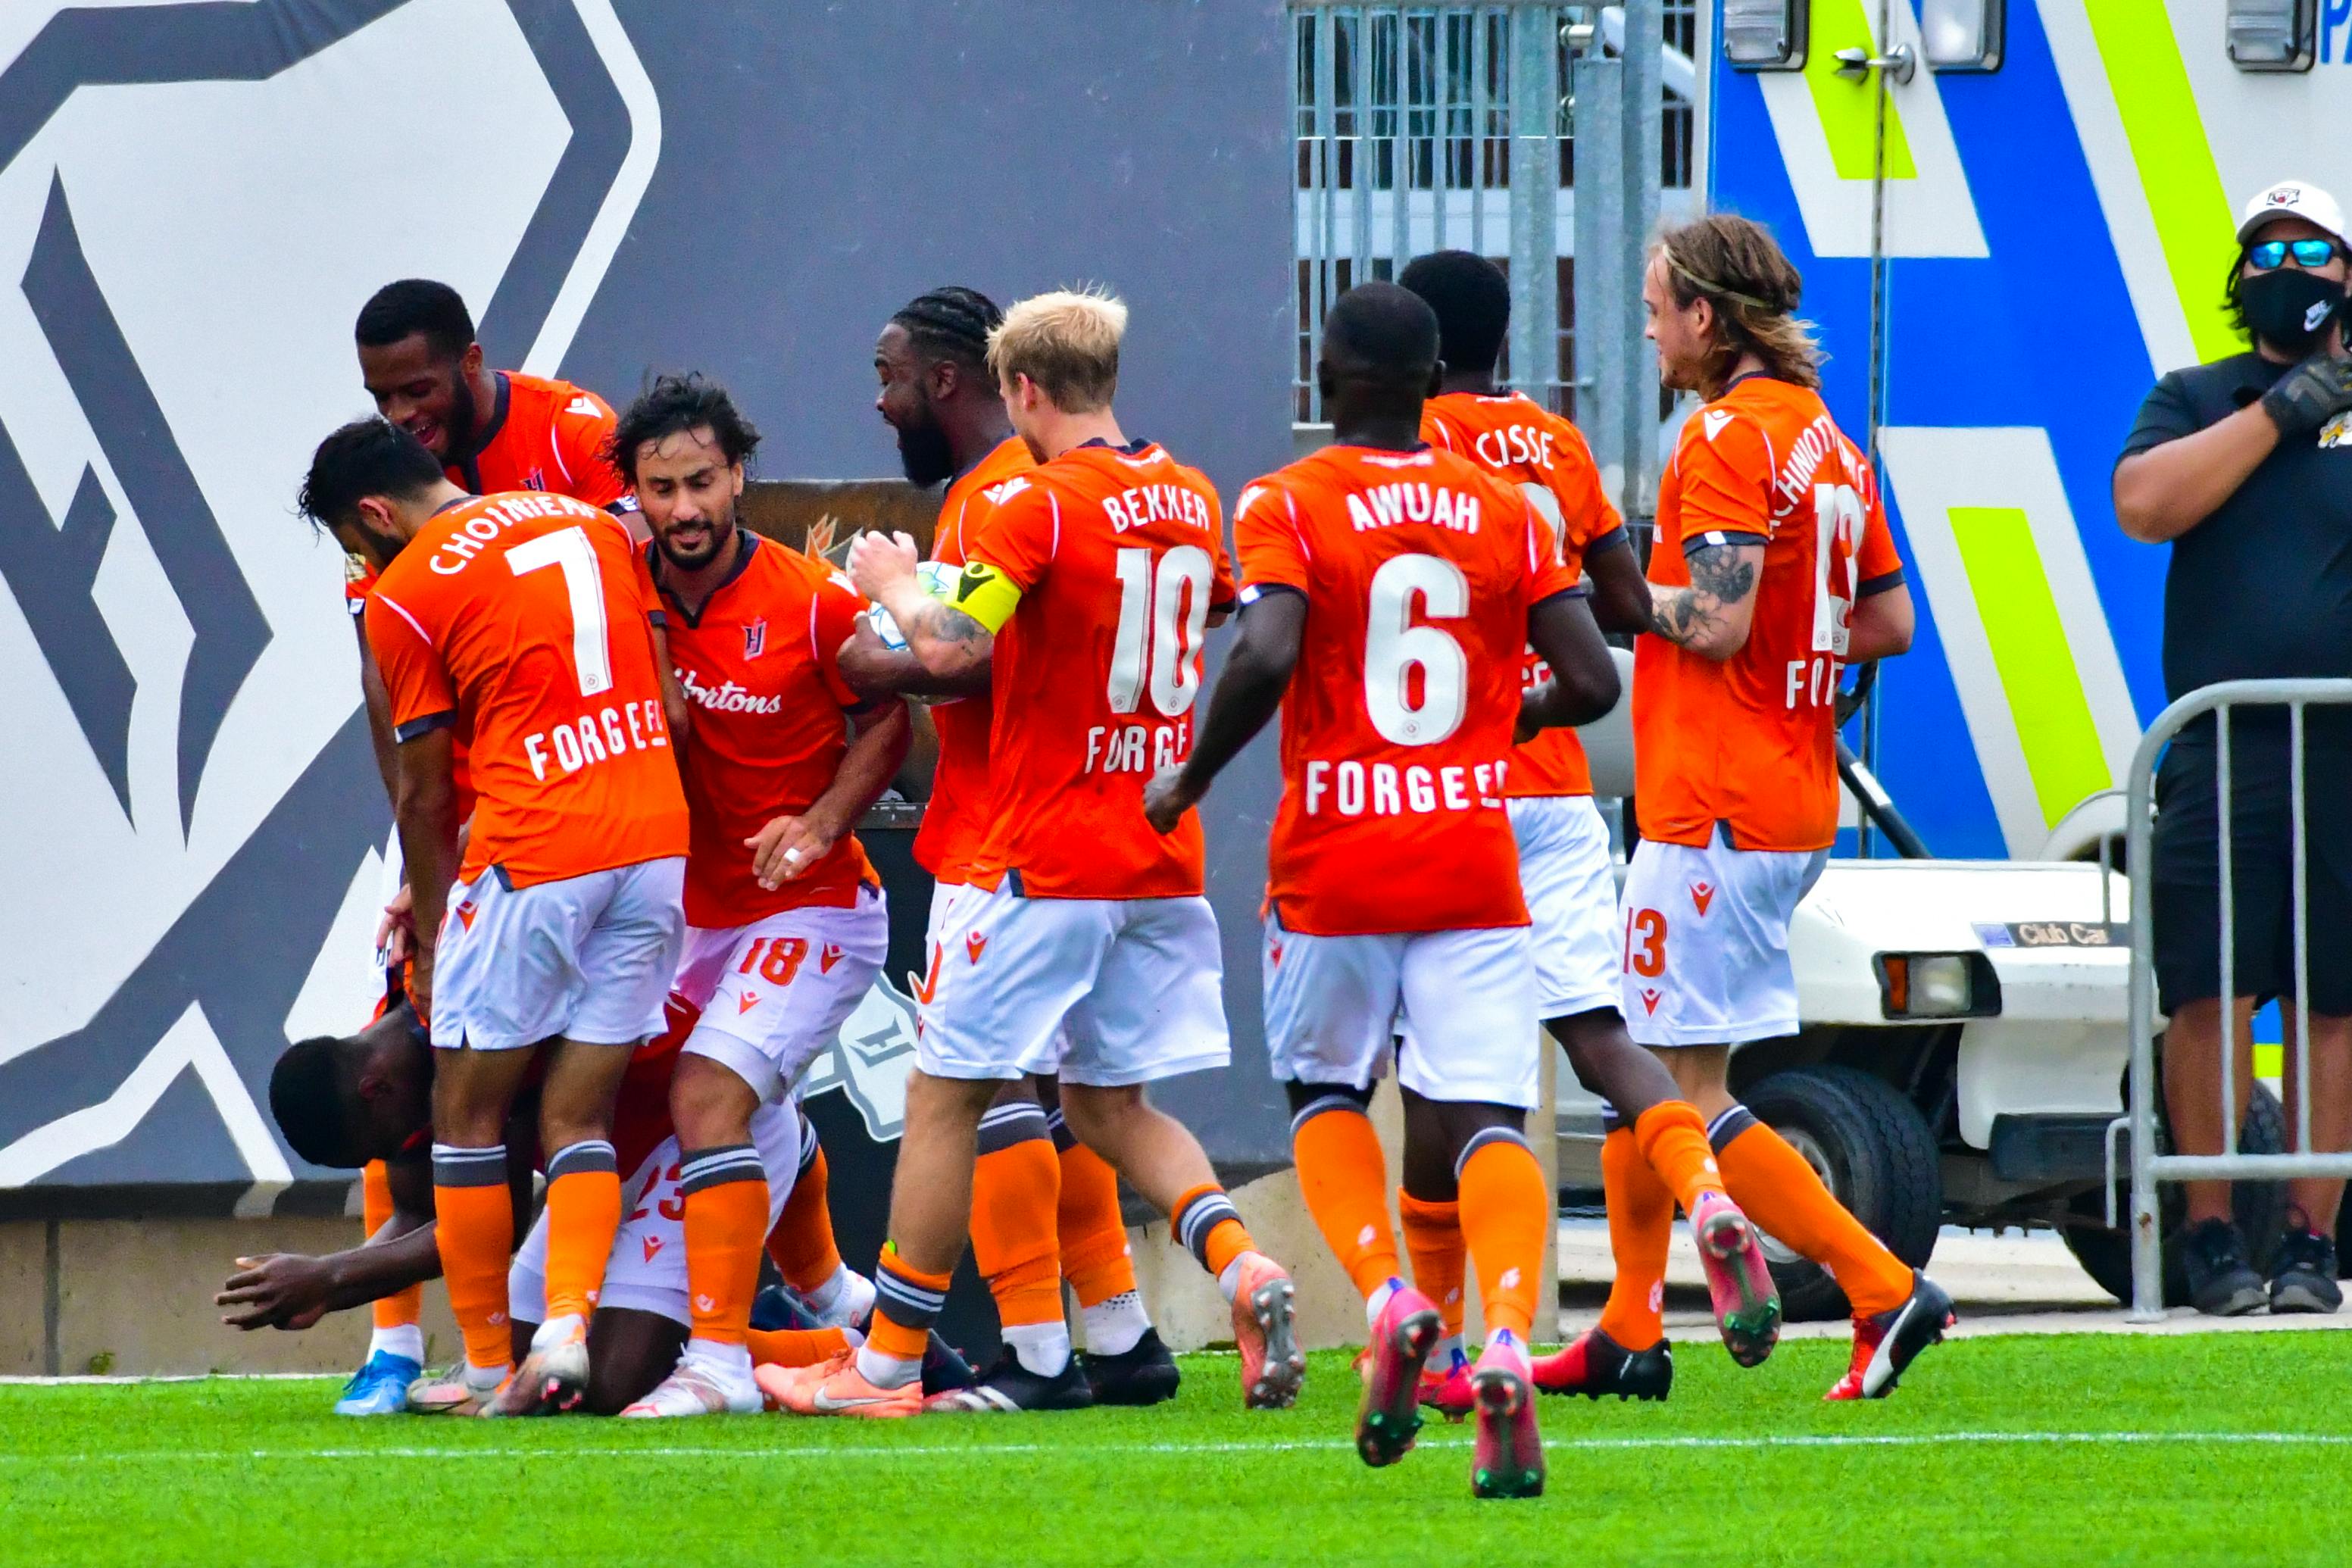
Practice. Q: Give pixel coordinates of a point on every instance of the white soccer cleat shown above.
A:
(698, 1387)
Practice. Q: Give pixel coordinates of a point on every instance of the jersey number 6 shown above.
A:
(1163, 622)
(1396, 645)
(568, 549)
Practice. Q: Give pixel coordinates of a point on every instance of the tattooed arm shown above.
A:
(947, 642)
(1711, 616)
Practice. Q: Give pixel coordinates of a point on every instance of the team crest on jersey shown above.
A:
(2337, 432)
(755, 638)
(975, 944)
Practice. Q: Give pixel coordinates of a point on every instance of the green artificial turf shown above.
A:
(2040, 1450)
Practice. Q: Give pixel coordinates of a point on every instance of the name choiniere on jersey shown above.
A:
(485, 526)
(1794, 484)
(728, 699)
(1384, 789)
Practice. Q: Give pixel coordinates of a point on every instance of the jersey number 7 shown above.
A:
(568, 549)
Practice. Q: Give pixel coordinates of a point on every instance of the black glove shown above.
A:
(2310, 395)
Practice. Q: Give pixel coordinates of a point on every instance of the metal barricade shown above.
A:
(2149, 1167)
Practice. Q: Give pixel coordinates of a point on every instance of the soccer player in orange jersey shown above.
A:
(520, 619)
(493, 430)
(1082, 946)
(786, 926)
(1044, 1206)
(1564, 868)
(1773, 569)
(1390, 590)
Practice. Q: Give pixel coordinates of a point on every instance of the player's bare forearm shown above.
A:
(378, 702)
(1620, 595)
(288, 1290)
(874, 671)
(786, 847)
(947, 642)
(1711, 616)
(426, 809)
(1583, 684)
(1248, 695)
(1880, 626)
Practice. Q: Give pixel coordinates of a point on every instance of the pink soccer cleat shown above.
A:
(1746, 1303)
(1272, 1365)
(1407, 1329)
(1509, 1461)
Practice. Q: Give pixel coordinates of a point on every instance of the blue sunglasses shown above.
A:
(2309, 254)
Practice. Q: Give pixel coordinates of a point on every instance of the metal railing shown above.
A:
(2148, 1166)
(1425, 127)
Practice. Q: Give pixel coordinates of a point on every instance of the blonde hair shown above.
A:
(1066, 343)
(1735, 265)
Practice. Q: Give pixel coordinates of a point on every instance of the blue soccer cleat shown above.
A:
(381, 1388)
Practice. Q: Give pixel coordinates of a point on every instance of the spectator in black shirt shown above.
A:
(2244, 466)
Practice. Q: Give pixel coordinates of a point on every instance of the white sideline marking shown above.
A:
(961, 1451)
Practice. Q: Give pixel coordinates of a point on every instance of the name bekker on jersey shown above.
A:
(958, 815)
(520, 620)
(1749, 743)
(1523, 442)
(1417, 569)
(762, 672)
(1119, 554)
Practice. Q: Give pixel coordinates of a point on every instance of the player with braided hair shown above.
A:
(1044, 1206)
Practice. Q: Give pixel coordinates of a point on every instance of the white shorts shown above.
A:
(1571, 892)
(1705, 960)
(647, 1272)
(774, 994)
(1103, 992)
(589, 958)
(1464, 1001)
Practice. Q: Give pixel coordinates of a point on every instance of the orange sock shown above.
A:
(474, 1231)
(1345, 1179)
(1673, 1138)
(794, 1347)
(1090, 1229)
(1780, 1190)
(725, 1191)
(802, 1243)
(1432, 1236)
(1016, 1186)
(403, 1308)
(584, 1210)
(1641, 1225)
(907, 1305)
(1506, 1206)
(1209, 1227)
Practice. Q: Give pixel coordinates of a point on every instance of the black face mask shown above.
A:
(2288, 308)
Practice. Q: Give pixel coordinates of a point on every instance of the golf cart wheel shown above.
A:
(1872, 1149)
(2259, 1208)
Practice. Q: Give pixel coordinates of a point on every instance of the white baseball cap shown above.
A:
(2293, 198)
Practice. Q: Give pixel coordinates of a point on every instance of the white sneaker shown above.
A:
(698, 1387)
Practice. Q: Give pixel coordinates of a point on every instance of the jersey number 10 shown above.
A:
(1163, 622)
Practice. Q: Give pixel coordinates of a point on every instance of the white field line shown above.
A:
(977, 1450)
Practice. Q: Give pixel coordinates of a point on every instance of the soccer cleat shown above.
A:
(2303, 1275)
(553, 1378)
(1594, 1366)
(1509, 1460)
(944, 1367)
(449, 1394)
(698, 1387)
(380, 1387)
(836, 1387)
(1388, 1416)
(1272, 1365)
(1747, 1305)
(1448, 1393)
(1144, 1374)
(1011, 1386)
(2222, 1283)
(1887, 1343)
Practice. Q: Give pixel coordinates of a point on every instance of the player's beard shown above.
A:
(459, 437)
(923, 451)
(721, 535)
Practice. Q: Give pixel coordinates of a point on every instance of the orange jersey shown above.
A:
(1119, 554)
(761, 672)
(520, 619)
(1749, 742)
(1524, 443)
(958, 813)
(1417, 569)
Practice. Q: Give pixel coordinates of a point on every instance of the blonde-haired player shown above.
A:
(1082, 946)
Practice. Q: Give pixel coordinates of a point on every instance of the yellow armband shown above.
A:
(986, 595)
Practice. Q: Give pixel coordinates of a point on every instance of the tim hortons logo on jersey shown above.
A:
(731, 698)
(1157, 503)
(755, 638)
(1415, 500)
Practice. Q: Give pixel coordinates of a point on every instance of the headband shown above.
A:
(1708, 285)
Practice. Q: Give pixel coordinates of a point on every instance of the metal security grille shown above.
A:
(1420, 128)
